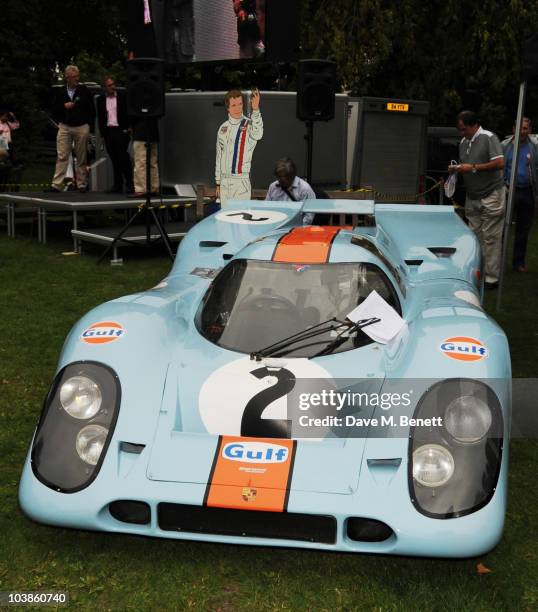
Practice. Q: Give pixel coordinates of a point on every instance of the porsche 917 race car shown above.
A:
(241, 401)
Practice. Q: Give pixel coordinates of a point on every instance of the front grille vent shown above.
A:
(247, 523)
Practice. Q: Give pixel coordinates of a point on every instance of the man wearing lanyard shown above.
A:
(289, 187)
(525, 189)
(114, 128)
(481, 165)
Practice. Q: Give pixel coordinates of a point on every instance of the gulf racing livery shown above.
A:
(238, 402)
(236, 141)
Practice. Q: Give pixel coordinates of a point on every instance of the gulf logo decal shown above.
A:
(254, 452)
(463, 348)
(251, 474)
(103, 332)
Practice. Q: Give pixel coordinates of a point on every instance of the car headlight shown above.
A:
(76, 426)
(90, 443)
(468, 419)
(81, 397)
(453, 468)
(433, 465)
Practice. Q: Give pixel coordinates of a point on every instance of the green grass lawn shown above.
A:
(42, 294)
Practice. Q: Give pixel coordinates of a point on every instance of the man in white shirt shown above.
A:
(290, 187)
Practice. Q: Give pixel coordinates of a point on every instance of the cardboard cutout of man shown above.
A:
(236, 140)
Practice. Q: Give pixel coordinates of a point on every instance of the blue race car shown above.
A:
(246, 399)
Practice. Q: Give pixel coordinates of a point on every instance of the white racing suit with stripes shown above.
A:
(236, 141)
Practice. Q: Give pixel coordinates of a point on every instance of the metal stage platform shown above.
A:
(134, 234)
(75, 202)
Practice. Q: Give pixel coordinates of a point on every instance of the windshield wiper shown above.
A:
(341, 338)
(305, 334)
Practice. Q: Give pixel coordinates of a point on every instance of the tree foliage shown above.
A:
(38, 40)
(435, 51)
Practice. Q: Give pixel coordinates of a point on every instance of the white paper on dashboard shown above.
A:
(375, 306)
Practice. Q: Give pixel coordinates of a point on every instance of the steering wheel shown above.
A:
(274, 303)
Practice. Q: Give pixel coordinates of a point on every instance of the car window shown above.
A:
(252, 304)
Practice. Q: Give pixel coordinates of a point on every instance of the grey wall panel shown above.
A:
(390, 148)
(393, 155)
(189, 131)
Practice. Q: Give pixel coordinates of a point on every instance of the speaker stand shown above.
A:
(149, 213)
(309, 139)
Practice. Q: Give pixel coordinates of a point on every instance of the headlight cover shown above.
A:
(76, 425)
(433, 465)
(80, 397)
(90, 443)
(453, 470)
(468, 419)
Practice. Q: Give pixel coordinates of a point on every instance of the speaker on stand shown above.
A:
(316, 90)
(145, 87)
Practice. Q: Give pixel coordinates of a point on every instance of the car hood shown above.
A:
(205, 398)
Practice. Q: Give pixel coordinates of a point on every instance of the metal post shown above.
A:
(309, 147)
(76, 247)
(512, 187)
(10, 208)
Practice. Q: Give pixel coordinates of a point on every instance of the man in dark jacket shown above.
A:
(114, 128)
(74, 111)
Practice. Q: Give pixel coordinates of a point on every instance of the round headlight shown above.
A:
(433, 465)
(468, 419)
(90, 442)
(81, 397)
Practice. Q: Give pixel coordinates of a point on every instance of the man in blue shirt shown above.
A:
(290, 187)
(525, 189)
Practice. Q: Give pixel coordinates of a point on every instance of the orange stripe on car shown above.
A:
(311, 244)
(251, 474)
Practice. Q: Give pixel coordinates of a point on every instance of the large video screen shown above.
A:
(212, 30)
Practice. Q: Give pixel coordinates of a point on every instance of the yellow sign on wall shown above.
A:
(398, 107)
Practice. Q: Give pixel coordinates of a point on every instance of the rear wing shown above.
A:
(344, 207)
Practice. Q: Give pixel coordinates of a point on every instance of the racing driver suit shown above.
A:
(236, 141)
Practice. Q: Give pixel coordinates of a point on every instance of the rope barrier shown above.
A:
(378, 195)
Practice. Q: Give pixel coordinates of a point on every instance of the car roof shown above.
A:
(309, 245)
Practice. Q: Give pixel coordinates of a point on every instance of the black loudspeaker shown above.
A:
(145, 87)
(530, 57)
(316, 88)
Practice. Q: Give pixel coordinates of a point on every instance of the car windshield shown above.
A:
(252, 304)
